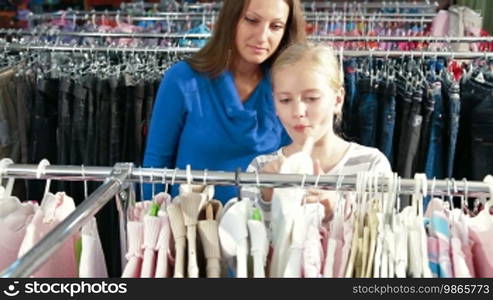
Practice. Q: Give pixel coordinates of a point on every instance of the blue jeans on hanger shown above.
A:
(410, 140)
(367, 113)
(474, 159)
(386, 117)
(349, 110)
(435, 162)
(427, 112)
(452, 95)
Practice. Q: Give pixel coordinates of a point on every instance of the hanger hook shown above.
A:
(141, 181)
(205, 177)
(86, 194)
(188, 171)
(153, 186)
(174, 177)
(41, 170)
(317, 180)
(165, 172)
(257, 180)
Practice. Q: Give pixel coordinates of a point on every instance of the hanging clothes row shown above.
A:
(367, 235)
(425, 115)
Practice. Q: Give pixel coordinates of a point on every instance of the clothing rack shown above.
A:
(186, 17)
(466, 39)
(155, 175)
(123, 14)
(117, 179)
(348, 53)
(310, 4)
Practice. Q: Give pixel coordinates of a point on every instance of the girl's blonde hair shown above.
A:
(318, 56)
(324, 60)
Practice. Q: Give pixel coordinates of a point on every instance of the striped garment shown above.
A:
(358, 158)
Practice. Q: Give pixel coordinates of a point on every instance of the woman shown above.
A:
(215, 110)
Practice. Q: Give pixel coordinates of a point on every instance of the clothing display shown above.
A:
(89, 90)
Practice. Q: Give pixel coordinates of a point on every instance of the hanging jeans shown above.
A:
(367, 113)
(386, 117)
(351, 101)
(403, 105)
(103, 117)
(411, 136)
(427, 109)
(452, 96)
(474, 159)
(435, 159)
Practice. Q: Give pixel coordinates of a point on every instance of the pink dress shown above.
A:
(13, 226)
(53, 210)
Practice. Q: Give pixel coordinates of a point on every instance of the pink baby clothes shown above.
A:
(54, 209)
(92, 262)
(135, 232)
(12, 230)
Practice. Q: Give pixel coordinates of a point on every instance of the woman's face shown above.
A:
(260, 30)
(304, 101)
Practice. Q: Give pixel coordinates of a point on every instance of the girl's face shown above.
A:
(260, 30)
(304, 101)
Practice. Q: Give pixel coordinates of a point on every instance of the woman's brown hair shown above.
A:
(216, 56)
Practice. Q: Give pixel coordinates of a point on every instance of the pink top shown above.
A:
(54, 209)
(13, 226)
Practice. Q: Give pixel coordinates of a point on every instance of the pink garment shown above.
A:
(92, 262)
(152, 227)
(312, 254)
(433, 256)
(459, 266)
(340, 266)
(53, 210)
(163, 246)
(135, 232)
(481, 233)
(13, 224)
(467, 250)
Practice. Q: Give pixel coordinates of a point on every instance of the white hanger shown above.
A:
(41, 170)
(165, 172)
(4, 163)
(85, 181)
(141, 185)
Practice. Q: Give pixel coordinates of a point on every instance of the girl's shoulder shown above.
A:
(364, 158)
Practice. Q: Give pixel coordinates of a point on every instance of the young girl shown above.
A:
(309, 93)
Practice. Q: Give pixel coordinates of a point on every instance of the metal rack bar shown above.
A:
(21, 32)
(347, 53)
(37, 256)
(154, 175)
(316, 5)
(123, 14)
(199, 18)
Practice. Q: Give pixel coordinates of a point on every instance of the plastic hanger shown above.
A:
(141, 182)
(41, 170)
(86, 194)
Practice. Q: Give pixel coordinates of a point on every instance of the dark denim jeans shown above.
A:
(453, 102)
(435, 161)
(411, 137)
(427, 109)
(386, 117)
(367, 113)
(103, 117)
(474, 159)
(349, 110)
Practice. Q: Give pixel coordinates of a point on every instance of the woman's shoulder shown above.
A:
(182, 70)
